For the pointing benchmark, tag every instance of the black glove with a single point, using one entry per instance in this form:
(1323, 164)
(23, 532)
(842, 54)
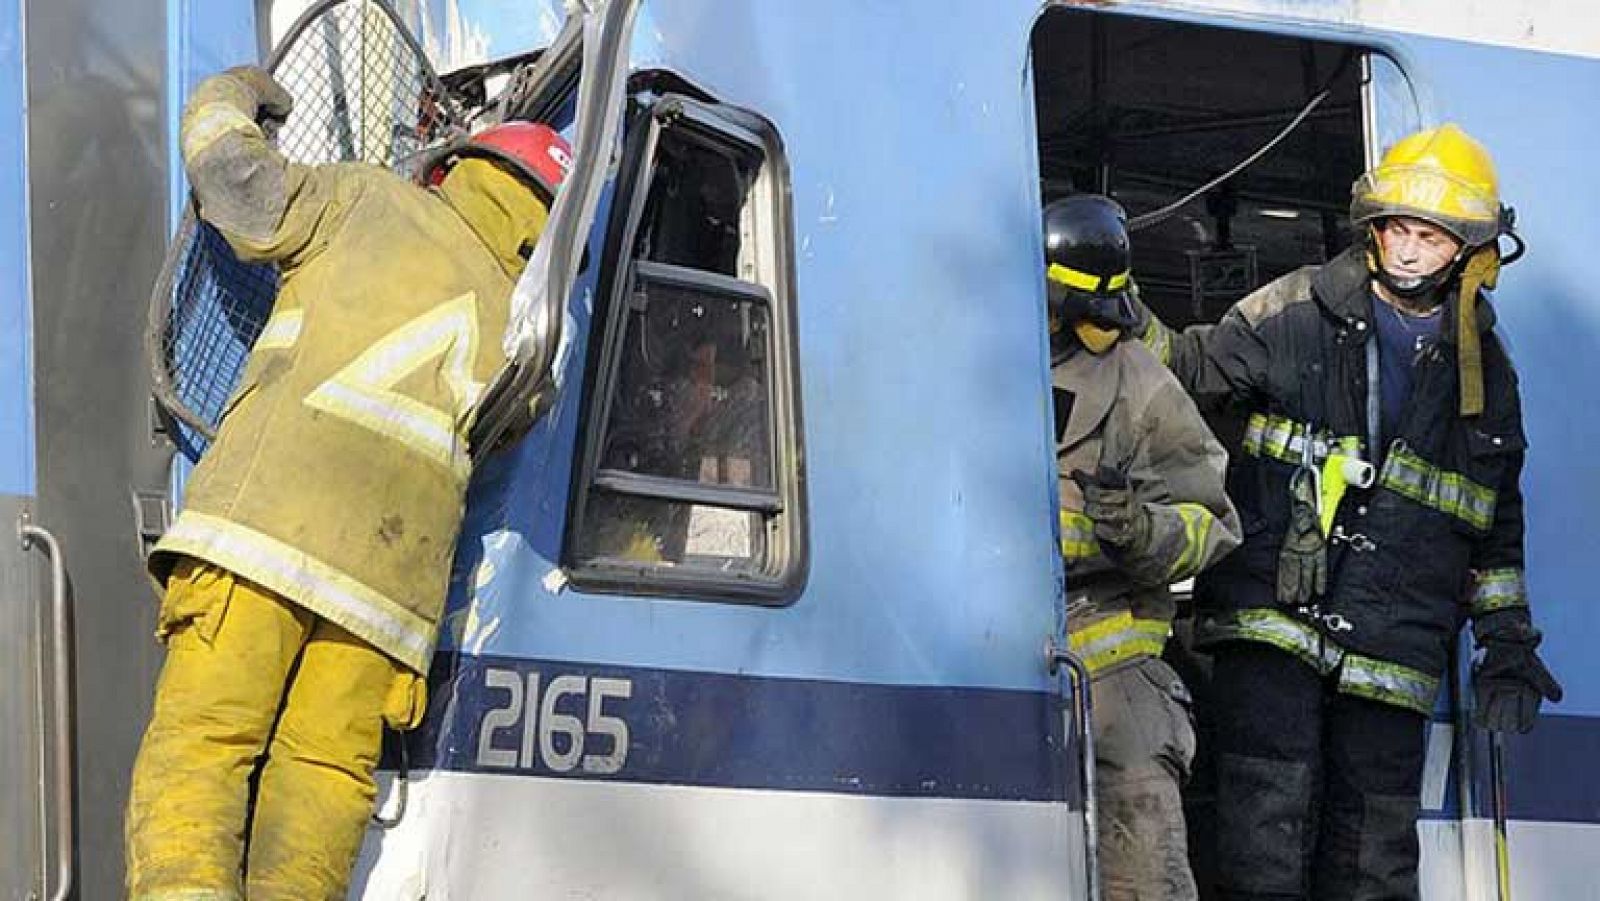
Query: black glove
(1303, 559)
(1510, 681)
(273, 103)
(1121, 523)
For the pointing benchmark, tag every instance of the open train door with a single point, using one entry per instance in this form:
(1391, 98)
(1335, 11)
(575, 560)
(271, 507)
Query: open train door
(1233, 150)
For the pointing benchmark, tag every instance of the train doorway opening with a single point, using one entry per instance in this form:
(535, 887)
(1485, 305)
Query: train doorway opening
(1233, 153)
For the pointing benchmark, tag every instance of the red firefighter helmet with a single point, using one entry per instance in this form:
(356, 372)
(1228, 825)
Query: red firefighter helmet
(534, 150)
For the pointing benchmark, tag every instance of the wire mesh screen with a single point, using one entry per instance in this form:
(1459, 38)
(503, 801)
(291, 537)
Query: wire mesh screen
(363, 90)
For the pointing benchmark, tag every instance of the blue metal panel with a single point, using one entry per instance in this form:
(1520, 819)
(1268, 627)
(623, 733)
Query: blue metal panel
(16, 328)
(924, 369)
(1534, 112)
(1547, 776)
(914, 200)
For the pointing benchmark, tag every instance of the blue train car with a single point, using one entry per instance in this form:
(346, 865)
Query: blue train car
(761, 605)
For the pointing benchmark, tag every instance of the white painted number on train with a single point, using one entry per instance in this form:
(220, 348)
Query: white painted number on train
(560, 726)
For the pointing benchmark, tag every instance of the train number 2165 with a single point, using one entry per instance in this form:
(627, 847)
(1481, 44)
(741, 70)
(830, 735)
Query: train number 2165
(545, 735)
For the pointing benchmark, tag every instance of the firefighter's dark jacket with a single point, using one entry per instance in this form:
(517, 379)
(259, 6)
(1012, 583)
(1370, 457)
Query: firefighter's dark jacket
(1438, 538)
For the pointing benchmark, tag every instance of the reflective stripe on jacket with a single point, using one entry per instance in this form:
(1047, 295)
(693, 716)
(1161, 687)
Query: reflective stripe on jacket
(1130, 413)
(339, 471)
(1367, 677)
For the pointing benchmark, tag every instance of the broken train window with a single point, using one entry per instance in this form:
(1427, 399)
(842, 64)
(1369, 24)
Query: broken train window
(688, 479)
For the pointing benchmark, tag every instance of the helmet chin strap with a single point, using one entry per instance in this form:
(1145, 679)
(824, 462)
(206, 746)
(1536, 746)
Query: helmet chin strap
(1415, 289)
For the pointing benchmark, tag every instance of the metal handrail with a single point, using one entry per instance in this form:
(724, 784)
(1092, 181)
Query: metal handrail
(1067, 666)
(61, 695)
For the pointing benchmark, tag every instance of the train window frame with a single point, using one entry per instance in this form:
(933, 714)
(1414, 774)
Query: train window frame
(762, 276)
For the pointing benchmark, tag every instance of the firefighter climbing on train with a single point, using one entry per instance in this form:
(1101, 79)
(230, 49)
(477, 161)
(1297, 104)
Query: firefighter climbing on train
(304, 579)
(1142, 506)
(1379, 489)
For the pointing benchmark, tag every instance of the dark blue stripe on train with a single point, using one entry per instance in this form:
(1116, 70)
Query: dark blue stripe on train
(1550, 771)
(730, 731)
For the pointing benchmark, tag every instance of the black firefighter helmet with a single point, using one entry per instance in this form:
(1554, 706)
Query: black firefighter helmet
(1087, 262)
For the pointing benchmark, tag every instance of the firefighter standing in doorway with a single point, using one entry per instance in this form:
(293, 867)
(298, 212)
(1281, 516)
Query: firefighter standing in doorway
(305, 577)
(1379, 487)
(1142, 506)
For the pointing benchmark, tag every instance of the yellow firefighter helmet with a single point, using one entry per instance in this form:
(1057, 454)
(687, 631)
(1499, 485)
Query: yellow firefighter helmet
(1440, 175)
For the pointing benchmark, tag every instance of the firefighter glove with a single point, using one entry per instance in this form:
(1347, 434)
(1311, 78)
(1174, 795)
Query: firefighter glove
(1509, 681)
(1121, 523)
(273, 103)
(1303, 559)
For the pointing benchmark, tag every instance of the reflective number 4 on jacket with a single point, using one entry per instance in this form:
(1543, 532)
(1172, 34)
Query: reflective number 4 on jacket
(364, 391)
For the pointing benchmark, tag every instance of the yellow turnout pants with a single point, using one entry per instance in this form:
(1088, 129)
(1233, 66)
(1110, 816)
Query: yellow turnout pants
(248, 674)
